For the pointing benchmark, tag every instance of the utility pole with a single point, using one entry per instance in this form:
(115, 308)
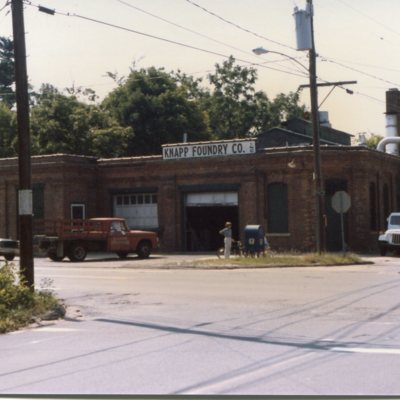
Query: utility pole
(318, 182)
(25, 208)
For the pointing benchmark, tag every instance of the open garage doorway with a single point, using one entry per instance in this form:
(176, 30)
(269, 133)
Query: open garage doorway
(205, 215)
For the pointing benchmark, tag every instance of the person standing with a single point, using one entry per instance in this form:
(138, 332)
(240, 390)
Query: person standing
(227, 233)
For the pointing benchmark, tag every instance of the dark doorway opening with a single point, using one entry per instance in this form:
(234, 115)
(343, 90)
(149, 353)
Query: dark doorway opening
(203, 224)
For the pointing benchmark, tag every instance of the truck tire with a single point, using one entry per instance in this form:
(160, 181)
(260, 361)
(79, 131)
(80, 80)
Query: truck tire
(143, 249)
(52, 254)
(77, 252)
(383, 250)
(9, 257)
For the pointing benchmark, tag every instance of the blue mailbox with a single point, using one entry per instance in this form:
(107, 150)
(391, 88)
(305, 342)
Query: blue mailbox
(253, 239)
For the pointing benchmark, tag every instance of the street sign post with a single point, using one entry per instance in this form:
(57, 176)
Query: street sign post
(341, 203)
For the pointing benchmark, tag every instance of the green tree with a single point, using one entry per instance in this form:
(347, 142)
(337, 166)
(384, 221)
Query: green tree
(62, 124)
(8, 131)
(159, 107)
(59, 123)
(237, 110)
(370, 140)
(284, 107)
(7, 73)
(108, 138)
(230, 105)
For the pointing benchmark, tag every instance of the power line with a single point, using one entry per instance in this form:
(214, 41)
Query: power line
(238, 26)
(163, 39)
(358, 71)
(183, 27)
(191, 30)
(5, 5)
(262, 65)
(370, 65)
(370, 18)
(281, 44)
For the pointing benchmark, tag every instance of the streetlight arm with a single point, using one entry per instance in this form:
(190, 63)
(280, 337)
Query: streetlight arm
(260, 50)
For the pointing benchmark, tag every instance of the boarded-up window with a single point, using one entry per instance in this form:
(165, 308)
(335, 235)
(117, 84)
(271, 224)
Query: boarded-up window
(38, 201)
(372, 207)
(386, 201)
(277, 208)
(398, 194)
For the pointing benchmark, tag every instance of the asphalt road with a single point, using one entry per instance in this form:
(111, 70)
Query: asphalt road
(138, 327)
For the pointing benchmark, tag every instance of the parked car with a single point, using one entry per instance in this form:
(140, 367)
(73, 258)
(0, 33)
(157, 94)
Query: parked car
(9, 248)
(390, 239)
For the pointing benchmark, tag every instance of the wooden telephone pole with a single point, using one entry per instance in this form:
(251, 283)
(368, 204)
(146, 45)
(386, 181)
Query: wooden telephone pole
(318, 180)
(25, 208)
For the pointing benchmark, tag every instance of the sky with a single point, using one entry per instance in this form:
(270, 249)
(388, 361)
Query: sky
(356, 40)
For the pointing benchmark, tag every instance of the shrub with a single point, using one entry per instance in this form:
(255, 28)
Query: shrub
(19, 304)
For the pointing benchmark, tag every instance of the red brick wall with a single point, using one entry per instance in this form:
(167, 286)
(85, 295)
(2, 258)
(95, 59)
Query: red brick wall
(74, 179)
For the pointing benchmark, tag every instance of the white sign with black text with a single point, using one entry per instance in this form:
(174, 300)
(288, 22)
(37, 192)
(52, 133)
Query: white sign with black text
(209, 149)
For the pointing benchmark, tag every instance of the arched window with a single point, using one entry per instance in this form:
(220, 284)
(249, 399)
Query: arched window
(277, 208)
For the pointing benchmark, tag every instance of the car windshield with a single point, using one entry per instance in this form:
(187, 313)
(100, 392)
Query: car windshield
(395, 220)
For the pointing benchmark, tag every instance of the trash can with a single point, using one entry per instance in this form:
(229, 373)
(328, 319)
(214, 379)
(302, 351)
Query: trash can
(253, 239)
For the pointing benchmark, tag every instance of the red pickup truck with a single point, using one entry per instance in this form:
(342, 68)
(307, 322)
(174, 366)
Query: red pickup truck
(75, 238)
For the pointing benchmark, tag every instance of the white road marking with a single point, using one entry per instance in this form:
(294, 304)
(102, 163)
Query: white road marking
(55, 329)
(366, 350)
(246, 377)
(88, 277)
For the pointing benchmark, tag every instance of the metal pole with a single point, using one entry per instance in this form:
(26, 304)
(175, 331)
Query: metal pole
(319, 192)
(24, 146)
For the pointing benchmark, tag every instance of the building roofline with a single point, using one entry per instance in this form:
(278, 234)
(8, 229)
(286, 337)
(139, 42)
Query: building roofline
(300, 135)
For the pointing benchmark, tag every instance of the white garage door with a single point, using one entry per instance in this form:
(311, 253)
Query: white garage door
(139, 209)
(212, 199)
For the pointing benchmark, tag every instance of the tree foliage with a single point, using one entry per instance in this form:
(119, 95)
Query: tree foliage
(370, 140)
(234, 103)
(62, 124)
(237, 110)
(7, 73)
(150, 107)
(156, 105)
(8, 131)
(284, 107)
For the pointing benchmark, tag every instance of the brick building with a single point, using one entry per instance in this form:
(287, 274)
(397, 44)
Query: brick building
(188, 193)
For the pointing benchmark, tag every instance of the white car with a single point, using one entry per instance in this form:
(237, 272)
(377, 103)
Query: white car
(390, 239)
(9, 248)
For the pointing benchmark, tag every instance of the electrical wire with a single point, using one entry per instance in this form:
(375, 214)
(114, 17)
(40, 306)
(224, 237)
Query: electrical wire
(284, 45)
(197, 33)
(5, 5)
(217, 53)
(360, 72)
(370, 18)
(29, 3)
(183, 27)
(238, 26)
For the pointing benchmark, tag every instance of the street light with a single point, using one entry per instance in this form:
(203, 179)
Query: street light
(319, 193)
(261, 50)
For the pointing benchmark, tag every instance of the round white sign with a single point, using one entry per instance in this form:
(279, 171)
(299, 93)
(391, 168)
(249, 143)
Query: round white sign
(341, 201)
